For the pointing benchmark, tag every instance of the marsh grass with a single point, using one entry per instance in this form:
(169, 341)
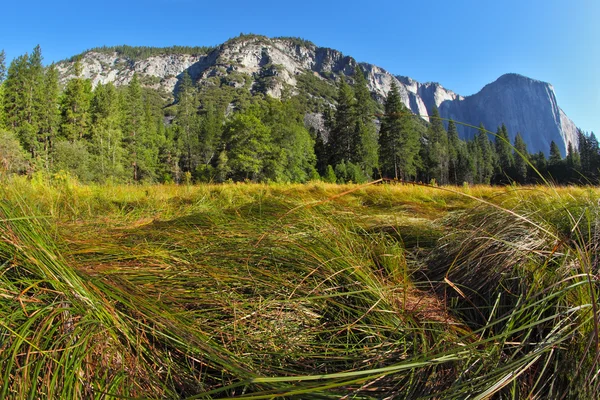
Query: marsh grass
(295, 291)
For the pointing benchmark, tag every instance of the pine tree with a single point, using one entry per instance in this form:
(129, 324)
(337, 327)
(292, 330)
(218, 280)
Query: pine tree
(23, 98)
(75, 107)
(398, 140)
(187, 123)
(454, 144)
(2, 76)
(435, 152)
(484, 157)
(107, 138)
(132, 125)
(248, 144)
(505, 165)
(365, 129)
(49, 114)
(573, 162)
(556, 165)
(211, 129)
(344, 144)
(2, 66)
(555, 156)
(520, 156)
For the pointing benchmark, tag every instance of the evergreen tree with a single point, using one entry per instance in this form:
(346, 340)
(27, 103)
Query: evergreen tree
(187, 123)
(365, 129)
(75, 107)
(107, 137)
(589, 155)
(541, 166)
(292, 157)
(436, 158)
(521, 157)
(454, 144)
(132, 125)
(49, 114)
(2, 76)
(556, 167)
(211, 128)
(398, 140)
(344, 144)
(483, 156)
(23, 98)
(2, 66)
(555, 157)
(248, 144)
(573, 163)
(505, 165)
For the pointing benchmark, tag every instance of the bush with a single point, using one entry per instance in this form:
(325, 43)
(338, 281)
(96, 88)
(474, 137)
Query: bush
(13, 158)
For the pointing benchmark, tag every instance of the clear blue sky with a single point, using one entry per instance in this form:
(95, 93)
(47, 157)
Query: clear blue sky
(463, 44)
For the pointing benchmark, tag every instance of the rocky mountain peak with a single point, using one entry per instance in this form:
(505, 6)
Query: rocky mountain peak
(274, 65)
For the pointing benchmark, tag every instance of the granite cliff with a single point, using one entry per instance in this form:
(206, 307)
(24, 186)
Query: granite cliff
(523, 104)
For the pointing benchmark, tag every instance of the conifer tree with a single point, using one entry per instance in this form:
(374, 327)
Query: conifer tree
(132, 125)
(555, 156)
(75, 107)
(107, 138)
(49, 114)
(484, 157)
(454, 144)
(248, 144)
(344, 144)
(23, 92)
(398, 140)
(505, 164)
(211, 129)
(2, 76)
(520, 156)
(365, 129)
(2, 66)
(187, 123)
(435, 154)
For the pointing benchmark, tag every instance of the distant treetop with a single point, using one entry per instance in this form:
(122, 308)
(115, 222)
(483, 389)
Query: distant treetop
(136, 53)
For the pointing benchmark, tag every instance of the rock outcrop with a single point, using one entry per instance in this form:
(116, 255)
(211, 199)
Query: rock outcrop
(523, 104)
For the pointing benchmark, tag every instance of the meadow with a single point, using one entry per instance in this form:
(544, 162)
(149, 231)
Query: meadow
(263, 291)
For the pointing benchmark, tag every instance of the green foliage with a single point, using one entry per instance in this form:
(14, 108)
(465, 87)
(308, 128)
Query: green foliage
(435, 152)
(136, 53)
(2, 66)
(365, 129)
(72, 157)
(12, 157)
(248, 144)
(344, 142)
(296, 41)
(317, 93)
(75, 107)
(521, 157)
(398, 139)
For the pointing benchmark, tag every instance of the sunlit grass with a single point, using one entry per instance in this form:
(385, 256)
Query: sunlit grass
(270, 290)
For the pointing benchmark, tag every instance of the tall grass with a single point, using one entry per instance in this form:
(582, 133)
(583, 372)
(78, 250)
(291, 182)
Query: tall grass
(266, 291)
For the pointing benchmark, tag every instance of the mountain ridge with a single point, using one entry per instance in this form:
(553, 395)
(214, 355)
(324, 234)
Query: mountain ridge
(524, 104)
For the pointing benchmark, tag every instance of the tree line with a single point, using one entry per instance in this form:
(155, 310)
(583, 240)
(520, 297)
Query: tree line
(214, 131)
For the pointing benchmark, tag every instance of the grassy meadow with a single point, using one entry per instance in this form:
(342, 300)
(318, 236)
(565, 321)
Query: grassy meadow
(317, 291)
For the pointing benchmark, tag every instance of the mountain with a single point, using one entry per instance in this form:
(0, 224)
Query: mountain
(274, 65)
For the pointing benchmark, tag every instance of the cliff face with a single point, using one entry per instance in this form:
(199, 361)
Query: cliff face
(524, 105)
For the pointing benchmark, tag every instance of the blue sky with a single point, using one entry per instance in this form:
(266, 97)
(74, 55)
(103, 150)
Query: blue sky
(463, 44)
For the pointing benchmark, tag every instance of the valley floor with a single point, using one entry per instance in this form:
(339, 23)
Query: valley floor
(298, 291)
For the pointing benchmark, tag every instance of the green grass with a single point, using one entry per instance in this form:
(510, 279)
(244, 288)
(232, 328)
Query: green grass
(297, 291)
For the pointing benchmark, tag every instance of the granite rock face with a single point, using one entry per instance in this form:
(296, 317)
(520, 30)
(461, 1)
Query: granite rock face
(524, 105)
